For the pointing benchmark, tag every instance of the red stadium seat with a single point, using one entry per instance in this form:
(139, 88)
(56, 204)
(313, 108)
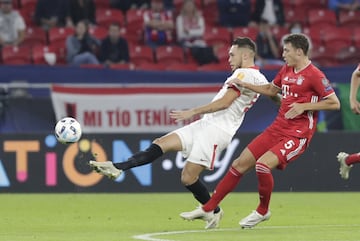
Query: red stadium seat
(28, 4)
(141, 54)
(309, 4)
(16, 4)
(279, 32)
(250, 32)
(34, 36)
(16, 55)
(214, 67)
(132, 35)
(28, 16)
(223, 54)
(217, 36)
(98, 32)
(169, 54)
(349, 19)
(182, 67)
(210, 12)
(296, 15)
(337, 38)
(322, 18)
(348, 55)
(134, 25)
(356, 37)
(39, 51)
(102, 4)
(59, 35)
(151, 66)
(104, 17)
(323, 56)
(315, 34)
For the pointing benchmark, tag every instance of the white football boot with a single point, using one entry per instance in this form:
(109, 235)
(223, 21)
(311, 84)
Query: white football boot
(198, 213)
(106, 168)
(253, 219)
(344, 168)
(214, 223)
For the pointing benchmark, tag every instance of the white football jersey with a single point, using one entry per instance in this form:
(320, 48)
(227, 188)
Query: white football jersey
(231, 118)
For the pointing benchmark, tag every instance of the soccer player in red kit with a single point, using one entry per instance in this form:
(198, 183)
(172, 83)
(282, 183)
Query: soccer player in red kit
(347, 160)
(305, 90)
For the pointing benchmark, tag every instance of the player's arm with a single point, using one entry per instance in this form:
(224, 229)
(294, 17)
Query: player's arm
(267, 89)
(219, 104)
(354, 87)
(331, 102)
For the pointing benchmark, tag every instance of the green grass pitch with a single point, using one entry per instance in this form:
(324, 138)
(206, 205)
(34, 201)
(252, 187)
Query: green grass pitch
(120, 217)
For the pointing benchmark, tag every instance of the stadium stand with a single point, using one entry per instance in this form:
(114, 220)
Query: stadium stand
(104, 17)
(141, 54)
(35, 36)
(331, 45)
(217, 36)
(16, 55)
(169, 54)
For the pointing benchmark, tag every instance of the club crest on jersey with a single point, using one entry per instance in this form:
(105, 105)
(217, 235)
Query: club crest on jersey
(300, 80)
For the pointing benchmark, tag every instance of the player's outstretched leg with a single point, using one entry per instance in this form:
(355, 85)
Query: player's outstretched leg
(344, 168)
(114, 170)
(106, 168)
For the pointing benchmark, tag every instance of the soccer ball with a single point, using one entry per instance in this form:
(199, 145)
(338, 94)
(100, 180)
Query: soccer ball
(68, 130)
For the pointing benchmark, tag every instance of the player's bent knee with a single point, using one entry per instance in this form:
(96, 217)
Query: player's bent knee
(187, 179)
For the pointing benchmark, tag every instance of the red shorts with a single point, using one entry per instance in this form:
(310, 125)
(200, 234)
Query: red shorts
(286, 148)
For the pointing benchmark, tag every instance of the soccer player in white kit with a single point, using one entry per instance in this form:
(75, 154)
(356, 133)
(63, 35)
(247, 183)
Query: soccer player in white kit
(203, 140)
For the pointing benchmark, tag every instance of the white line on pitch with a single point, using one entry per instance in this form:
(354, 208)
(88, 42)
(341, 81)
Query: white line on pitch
(149, 236)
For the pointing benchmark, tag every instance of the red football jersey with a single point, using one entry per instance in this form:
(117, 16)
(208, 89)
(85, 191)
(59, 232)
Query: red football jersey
(308, 85)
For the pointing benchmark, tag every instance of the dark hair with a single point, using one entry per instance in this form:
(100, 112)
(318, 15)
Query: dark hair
(298, 41)
(245, 42)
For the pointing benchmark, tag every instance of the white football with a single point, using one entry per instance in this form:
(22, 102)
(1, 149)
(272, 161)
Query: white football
(68, 130)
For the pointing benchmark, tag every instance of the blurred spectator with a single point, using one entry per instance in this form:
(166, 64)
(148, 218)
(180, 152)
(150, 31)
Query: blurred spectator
(81, 47)
(270, 10)
(268, 48)
(190, 28)
(51, 13)
(12, 25)
(81, 10)
(190, 25)
(125, 5)
(296, 27)
(114, 48)
(234, 13)
(346, 5)
(159, 25)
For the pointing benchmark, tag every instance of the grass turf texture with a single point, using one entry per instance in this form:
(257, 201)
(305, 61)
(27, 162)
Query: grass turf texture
(118, 217)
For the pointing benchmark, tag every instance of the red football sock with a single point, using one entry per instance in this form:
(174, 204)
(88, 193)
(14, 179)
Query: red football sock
(352, 159)
(265, 187)
(226, 185)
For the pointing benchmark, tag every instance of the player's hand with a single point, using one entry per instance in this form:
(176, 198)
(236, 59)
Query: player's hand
(355, 106)
(180, 115)
(296, 109)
